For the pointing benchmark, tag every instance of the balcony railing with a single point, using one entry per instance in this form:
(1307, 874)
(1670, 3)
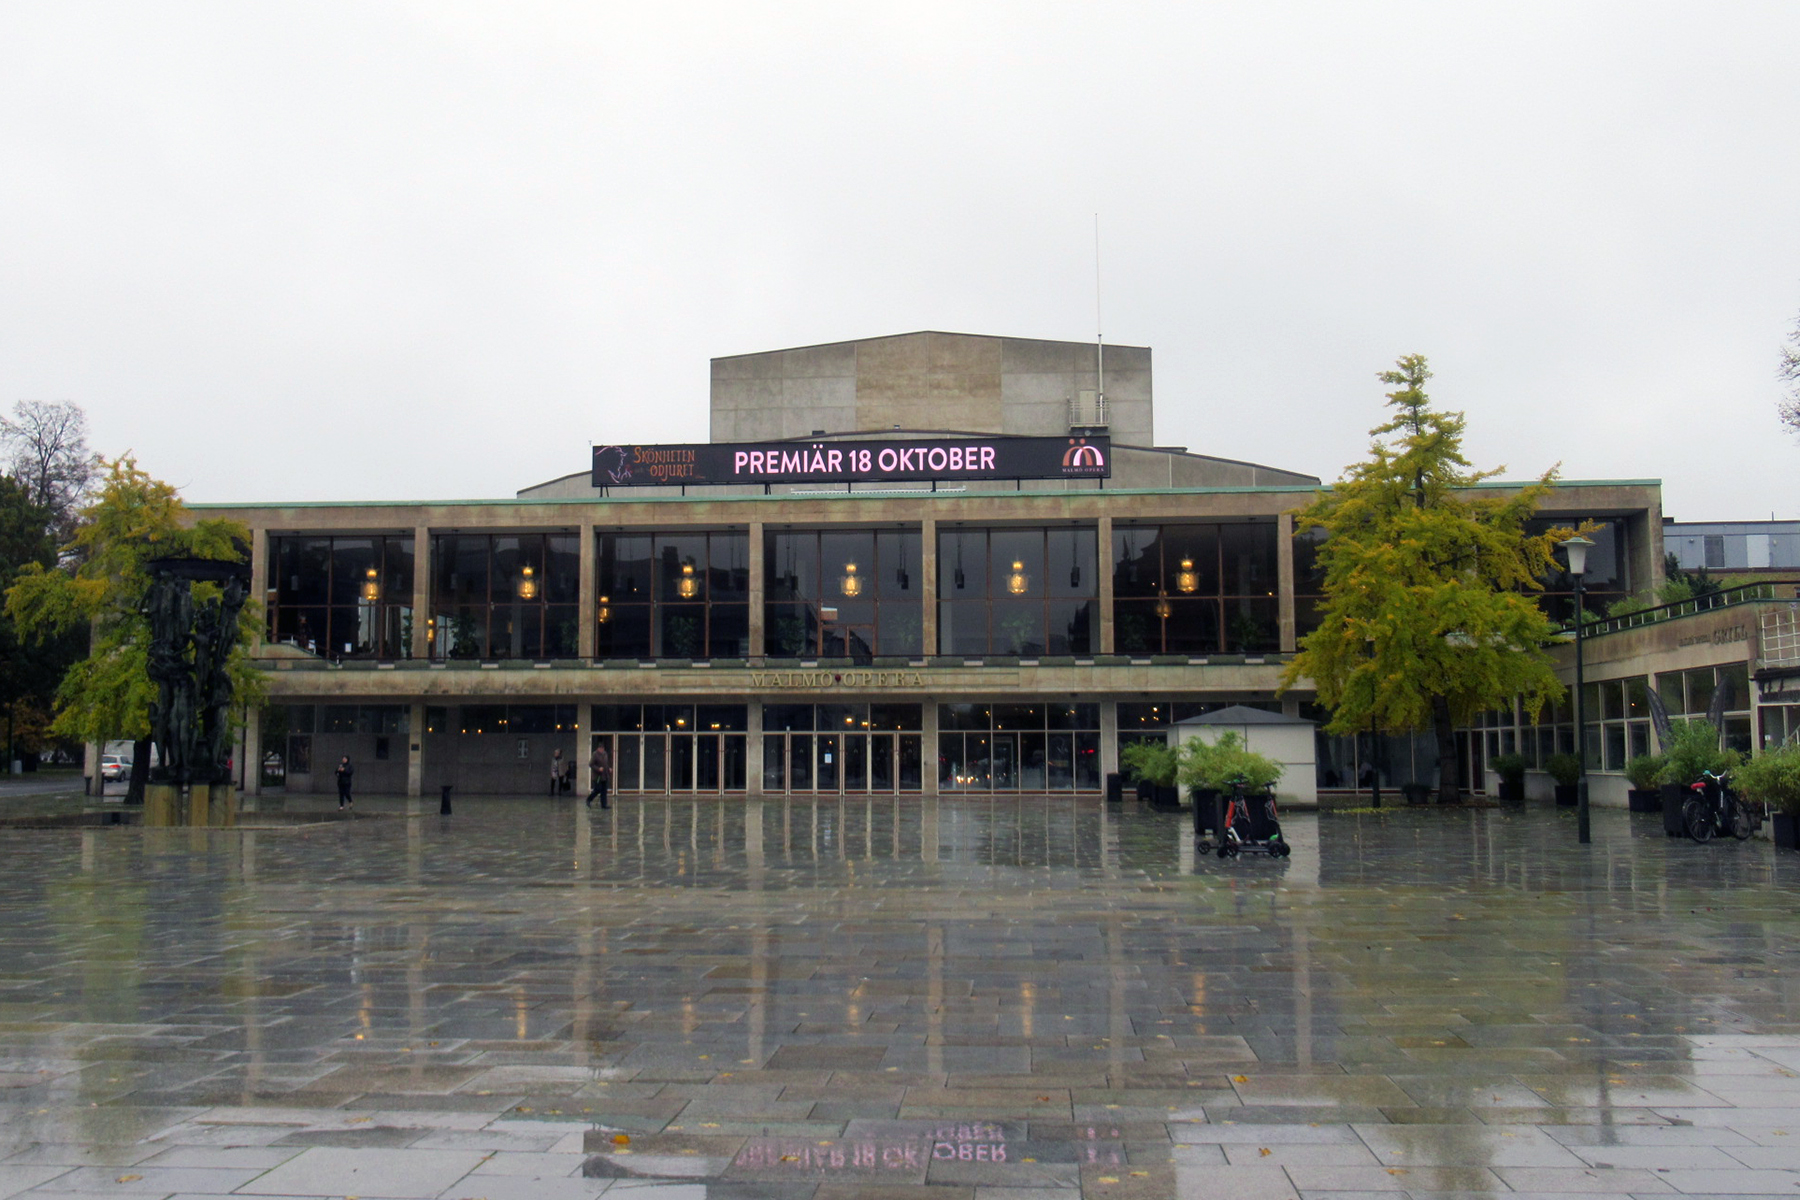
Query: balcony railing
(1749, 593)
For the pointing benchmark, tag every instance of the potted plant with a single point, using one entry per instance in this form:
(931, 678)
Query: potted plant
(1155, 764)
(1209, 769)
(1644, 772)
(1417, 793)
(1565, 769)
(1511, 770)
(1773, 778)
(1692, 747)
(1204, 771)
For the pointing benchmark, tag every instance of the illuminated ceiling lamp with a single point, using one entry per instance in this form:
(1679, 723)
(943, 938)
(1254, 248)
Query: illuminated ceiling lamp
(603, 611)
(851, 583)
(1017, 581)
(1187, 580)
(687, 587)
(371, 586)
(528, 587)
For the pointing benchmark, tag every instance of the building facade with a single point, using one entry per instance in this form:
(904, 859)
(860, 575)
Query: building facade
(942, 634)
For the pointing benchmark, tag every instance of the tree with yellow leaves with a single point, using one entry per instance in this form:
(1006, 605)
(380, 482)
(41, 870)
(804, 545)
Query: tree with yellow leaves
(1429, 616)
(133, 520)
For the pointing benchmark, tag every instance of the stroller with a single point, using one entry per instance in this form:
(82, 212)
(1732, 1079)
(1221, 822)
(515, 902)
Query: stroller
(1248, 824)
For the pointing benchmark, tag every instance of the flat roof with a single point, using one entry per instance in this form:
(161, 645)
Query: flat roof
(885, 337)
(886, 494)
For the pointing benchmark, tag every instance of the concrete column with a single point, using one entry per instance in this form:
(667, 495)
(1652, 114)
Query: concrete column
(928, 766)
(251, 759)
(1104, 566)
(928, 563)
(1109, 739)
(753, 746)
(1284, 574)
(588, 637)
(421, 629)
(259, 582)
(758, 633)
(415, 748)
(584, 745)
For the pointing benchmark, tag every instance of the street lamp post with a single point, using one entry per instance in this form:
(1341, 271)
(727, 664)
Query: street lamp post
(1577, 549)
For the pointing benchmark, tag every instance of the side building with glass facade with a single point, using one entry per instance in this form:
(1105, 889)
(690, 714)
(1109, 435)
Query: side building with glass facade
(927, 636)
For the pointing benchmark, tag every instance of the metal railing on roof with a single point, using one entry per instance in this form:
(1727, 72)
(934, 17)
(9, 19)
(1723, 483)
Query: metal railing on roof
(1748, 593)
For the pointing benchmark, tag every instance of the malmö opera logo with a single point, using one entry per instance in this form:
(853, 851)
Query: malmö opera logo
(1084, 458)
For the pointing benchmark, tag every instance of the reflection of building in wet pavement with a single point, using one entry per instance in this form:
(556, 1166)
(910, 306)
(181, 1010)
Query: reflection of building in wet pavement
(966, 993)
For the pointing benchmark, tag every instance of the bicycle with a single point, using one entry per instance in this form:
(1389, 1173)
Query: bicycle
(1713, 808)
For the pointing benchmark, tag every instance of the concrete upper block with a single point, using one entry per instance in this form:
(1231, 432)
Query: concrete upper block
(838, 359)
(1025, 356)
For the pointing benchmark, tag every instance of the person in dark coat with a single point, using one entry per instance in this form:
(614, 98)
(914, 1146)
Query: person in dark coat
(556, 771)
(345, 772)
(601, 765)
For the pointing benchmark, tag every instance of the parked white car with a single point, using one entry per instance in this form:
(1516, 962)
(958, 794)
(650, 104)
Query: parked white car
(114, 766)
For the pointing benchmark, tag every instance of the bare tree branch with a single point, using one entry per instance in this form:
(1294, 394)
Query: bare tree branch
(1789, 373)
(45, 443)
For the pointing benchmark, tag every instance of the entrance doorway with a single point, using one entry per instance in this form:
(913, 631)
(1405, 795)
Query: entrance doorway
(672, 748)
(849, 749)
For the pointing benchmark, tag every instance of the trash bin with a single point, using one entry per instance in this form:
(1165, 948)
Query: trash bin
(1115, 788)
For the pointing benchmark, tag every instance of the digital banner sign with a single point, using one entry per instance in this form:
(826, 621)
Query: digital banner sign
(900, 460)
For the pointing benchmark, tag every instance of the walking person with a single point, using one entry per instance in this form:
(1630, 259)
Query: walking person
(601, 765)
(345, 772)
(556, 771)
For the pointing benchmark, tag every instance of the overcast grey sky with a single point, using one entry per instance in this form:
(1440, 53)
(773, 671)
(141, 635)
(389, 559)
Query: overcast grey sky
(381, 250)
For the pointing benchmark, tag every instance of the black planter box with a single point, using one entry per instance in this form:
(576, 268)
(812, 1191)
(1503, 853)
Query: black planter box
(1672, 795)
(1167, 798)
(1115, 788)
(1643, 800)
(1206, 810)
(1512, 791)
(1785, 830)
(1567, 795)
(1416, 793)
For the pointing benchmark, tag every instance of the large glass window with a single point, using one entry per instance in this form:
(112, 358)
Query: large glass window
(1608, 579)
(1023, 747)
(1023, 592)
(850, 593)
(676, 595)
(509, 595)
(1196, 589)
(342, 597)
(674, 747)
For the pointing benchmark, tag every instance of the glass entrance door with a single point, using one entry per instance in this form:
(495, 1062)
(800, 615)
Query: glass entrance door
(842, 748)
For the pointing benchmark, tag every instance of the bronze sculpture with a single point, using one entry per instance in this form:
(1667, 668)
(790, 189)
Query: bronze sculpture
(189, 655)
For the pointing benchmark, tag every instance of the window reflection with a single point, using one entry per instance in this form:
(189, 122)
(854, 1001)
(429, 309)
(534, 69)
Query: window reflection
(1196, 589)
(342, 597)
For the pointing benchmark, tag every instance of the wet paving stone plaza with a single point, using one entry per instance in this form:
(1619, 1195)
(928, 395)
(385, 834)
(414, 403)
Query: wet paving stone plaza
(1007, 999)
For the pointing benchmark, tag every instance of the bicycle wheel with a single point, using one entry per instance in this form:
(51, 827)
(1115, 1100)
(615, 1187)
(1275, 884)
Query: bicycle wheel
(1741, 824)
(1696, 819)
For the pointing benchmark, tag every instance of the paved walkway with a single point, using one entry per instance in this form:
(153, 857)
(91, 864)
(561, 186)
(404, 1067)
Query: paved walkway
(1014, 999)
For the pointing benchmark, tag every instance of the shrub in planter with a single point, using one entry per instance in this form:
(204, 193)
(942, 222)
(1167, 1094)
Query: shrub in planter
(1210, 768)
(1565, 769)
(1153, 764)
(1773, 778)
(1693, 747)
(1511, 770)
(1644, 772)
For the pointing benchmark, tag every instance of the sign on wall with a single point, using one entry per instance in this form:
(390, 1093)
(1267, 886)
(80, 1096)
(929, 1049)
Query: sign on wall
(878, 461)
